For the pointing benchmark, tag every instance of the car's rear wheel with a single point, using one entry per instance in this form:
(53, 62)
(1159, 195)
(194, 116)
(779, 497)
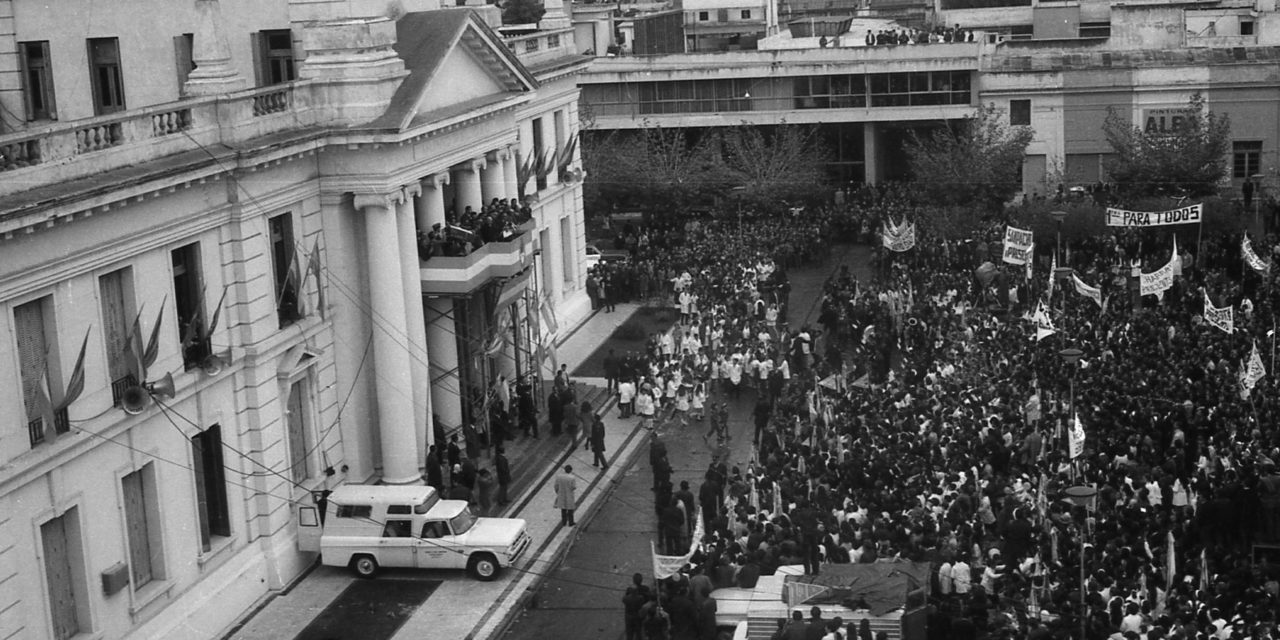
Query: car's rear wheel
(365, 566)
(483, 566)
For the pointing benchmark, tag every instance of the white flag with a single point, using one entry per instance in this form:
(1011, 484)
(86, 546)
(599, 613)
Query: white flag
(1176, 259)
(1044, 324)
(1053, 272)
(1076, 442)
(1256, 370)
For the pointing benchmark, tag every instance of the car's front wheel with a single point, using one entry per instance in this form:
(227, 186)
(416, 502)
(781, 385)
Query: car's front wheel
(483, 566)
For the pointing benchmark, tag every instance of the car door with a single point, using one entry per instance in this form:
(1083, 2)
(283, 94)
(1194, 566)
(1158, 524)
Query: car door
(397, 547)
(435, 546)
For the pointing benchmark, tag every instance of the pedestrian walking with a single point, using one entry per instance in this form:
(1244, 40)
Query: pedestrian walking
(503, 467)
(566, 495)
(555, 412)
(572, 418)
(597, 443)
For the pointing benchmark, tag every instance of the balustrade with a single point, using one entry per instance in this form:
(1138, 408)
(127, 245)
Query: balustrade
(99, 136)
(274, 102)
(167, 122)
(19, 154)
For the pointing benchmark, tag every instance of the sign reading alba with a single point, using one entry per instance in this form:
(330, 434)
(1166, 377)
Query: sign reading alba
(1122, 218)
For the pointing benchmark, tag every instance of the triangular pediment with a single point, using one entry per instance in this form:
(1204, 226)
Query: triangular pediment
(455, 63)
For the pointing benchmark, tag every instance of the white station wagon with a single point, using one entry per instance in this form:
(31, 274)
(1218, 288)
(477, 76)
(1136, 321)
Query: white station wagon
(366, 527)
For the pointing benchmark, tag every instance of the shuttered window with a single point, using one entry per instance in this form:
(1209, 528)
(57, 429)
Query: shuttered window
(299, 437)
(117, 308)
(34, 351)
(142, 522)
(211, 486)
(57, 543)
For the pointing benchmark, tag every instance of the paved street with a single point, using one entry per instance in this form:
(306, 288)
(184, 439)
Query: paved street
(581, 597)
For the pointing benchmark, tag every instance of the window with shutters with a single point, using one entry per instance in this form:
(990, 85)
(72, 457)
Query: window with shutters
(142, 526)
(287, 268)
(116, 292)
(105, 75)
(188, 300)
(64, 575)
(37, 80)
(211, 486)
(38, 369)
(302, 438)
(183, 62)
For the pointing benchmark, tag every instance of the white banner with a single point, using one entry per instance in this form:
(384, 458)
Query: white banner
(1017, 245)
(1250, 258)
(1256, 371)
(900, 238)
(1092, 293)
(1158, 281)
(667, 566)
(1121, 218)
(1222, 318)
(1075, 442)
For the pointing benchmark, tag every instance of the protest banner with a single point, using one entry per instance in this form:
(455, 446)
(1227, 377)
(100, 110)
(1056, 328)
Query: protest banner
(1093, 293)
(1252, 259)
(1158, 281)
(1017, 245)
(1222, 318)
(1189, 214)
(1076, 443)
(901, 238)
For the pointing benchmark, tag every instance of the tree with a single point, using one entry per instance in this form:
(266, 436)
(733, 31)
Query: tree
(782, 164)
(975, 162)
(1183, 155)
(655, 167)
(522, 11)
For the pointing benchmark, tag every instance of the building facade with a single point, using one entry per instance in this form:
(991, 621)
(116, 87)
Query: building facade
(222, 201)
(1146, 64)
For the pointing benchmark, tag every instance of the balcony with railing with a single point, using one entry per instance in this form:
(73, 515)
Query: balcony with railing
(61, 152)
(449, 275)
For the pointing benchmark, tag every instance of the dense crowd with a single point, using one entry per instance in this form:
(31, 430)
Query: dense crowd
(943, 438)
(939, 34)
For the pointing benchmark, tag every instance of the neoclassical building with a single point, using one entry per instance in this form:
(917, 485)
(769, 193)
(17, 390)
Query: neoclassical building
(213, 299)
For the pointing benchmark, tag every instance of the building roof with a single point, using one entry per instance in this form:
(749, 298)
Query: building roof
(425, 40)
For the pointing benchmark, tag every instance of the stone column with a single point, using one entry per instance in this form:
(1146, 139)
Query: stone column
(214, 73)
(870, 153)
(442, 342)
(393, 382)
(414, 323)
(466, 180)
(510, 172)
(493, 177)
(431, 209)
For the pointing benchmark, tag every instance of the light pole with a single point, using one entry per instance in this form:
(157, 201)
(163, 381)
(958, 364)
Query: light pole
(1058, 216)
(1079, 495)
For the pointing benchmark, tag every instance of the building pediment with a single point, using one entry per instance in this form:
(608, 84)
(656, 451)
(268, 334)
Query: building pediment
(454, 60)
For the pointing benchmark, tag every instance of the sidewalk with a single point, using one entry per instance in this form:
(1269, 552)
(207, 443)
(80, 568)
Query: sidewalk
(463, 607)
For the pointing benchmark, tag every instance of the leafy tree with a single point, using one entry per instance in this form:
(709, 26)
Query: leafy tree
(522, 11)
(782, 164)
(974, 162)
(655, 167)
(1187, 159)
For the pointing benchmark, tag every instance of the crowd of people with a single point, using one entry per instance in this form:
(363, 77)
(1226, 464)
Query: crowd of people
(940, 430)
(468, 230)
(939, 34)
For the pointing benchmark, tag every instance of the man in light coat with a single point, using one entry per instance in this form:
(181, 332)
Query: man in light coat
(566, 495)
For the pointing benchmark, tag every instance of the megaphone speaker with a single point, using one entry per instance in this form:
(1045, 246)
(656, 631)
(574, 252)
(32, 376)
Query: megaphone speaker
(163, 386)
(134, 400)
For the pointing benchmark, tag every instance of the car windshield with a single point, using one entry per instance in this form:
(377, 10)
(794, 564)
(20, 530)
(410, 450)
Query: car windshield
(462, 522)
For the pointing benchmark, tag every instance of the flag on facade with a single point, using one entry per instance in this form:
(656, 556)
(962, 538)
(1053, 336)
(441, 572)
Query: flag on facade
(43, 405)
(313, 266)
(1250, 258)
(75, 386)
(153, 343)
(217, 311)
(1076, 442)
(132, 347)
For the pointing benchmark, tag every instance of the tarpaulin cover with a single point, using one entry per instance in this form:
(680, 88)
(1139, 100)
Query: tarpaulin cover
(881, 587)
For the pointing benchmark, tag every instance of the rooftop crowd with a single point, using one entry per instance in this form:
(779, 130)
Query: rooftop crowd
(940, 433)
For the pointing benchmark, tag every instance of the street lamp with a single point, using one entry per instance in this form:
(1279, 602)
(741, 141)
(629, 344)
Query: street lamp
(1082, 496)
(1063, 270)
